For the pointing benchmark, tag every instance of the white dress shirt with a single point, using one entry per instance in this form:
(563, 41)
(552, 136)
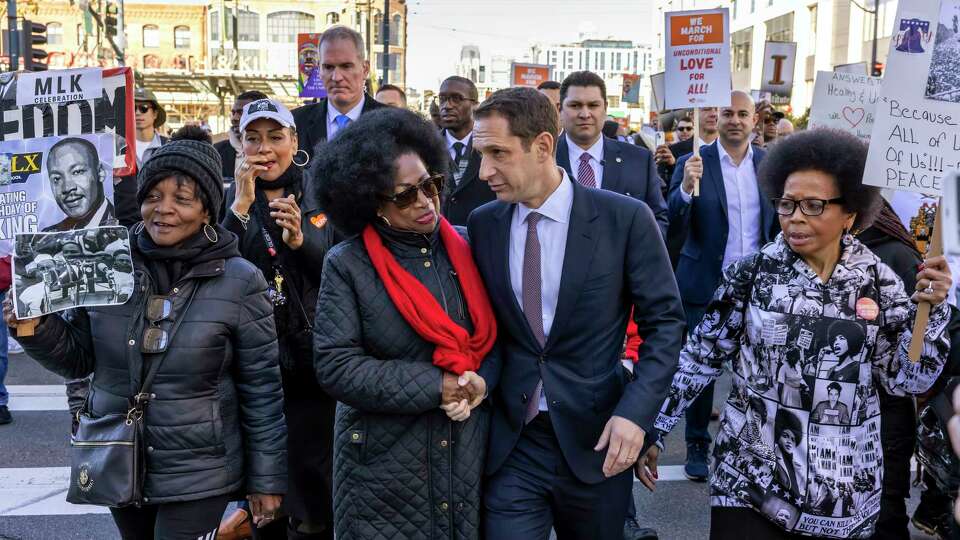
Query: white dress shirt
(333, 113)
(451, 140)
(596, 158)
(552, 233)
(743, 205)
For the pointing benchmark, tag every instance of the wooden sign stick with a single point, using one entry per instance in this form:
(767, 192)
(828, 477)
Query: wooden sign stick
(27, 327)
(696, 146)
(923, 309)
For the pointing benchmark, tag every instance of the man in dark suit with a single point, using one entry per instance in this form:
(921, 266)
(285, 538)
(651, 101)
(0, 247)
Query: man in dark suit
(344, 71)
(597, 161)
(564, 265)
(231, 147)
(465, 191)
(730, 219)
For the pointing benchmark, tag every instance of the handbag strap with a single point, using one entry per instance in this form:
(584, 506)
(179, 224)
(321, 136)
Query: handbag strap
(296, 295)
(143, 396)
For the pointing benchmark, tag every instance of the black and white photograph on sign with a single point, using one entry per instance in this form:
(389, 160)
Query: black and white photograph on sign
(943, 79)
(62, 270)
(951, 216)
(55, 184)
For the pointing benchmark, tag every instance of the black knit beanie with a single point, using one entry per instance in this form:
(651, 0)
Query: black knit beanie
(195, 159)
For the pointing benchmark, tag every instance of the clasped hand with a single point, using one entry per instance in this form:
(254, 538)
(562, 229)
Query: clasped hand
(462, 394)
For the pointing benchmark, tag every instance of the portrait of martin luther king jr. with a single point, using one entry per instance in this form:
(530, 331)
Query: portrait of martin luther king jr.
(76, 178)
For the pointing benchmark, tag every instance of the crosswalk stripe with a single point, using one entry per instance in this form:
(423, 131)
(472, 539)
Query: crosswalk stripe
(37, 397)
(42, 491)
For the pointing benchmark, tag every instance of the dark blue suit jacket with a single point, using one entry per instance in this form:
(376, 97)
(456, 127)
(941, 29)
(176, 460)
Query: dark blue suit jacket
(705, 220)
(615, 259)
(628, 170)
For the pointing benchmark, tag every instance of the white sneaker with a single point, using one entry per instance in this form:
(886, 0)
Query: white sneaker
(13, 347)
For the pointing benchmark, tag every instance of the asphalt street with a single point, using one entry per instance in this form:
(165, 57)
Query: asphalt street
(34, 458)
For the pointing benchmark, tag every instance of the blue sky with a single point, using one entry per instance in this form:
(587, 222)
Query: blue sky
(437, 29)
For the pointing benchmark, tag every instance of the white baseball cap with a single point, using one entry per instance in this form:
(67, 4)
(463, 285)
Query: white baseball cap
(266, 108)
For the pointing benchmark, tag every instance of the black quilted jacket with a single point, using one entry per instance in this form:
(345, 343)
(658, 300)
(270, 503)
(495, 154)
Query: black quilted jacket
(402, 469)
(215, 424)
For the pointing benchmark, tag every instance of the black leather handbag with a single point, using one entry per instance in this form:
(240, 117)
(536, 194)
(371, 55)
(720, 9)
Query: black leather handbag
(107, 465)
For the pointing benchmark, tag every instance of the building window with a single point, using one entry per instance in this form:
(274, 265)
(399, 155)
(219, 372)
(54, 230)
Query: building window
(151, 36)
(734, 2)
(81, 34)
(753, 5)
(181, 37)
(248, 26)
(395, 30)
(741, 43)
(780, 28)
(151, 61)
(378, 29)
(333, 17)
(54, 33)
(283, 26)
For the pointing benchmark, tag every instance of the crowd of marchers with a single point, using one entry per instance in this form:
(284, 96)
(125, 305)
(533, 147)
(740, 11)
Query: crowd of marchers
(365, 324)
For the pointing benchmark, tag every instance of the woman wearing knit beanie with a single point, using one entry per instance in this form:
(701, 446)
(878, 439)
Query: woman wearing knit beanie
(287, 237)
(201, 322)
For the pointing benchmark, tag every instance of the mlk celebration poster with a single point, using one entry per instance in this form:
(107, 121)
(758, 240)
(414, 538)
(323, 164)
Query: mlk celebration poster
(64, 136)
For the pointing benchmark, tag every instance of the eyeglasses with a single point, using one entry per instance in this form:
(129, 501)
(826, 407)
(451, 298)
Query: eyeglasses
(685, 128)
(156, 339)
(809, 207)
(431, 187)
(143, 109)
(454, 99)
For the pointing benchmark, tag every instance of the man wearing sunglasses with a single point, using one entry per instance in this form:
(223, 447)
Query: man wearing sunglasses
(457, 99)
(684, 129)
(149, 116)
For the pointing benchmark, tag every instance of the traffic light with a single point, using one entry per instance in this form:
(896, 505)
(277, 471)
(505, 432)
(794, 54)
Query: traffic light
(110, 19)
(33, 34)
(877, 69)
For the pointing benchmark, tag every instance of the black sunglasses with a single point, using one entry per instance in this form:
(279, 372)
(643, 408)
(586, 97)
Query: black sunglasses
(143, 109)
(431, 187)
(809, 207)
(685, 128)
(156, 339)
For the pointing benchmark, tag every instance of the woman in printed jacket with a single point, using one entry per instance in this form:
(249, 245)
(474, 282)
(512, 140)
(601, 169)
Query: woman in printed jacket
(819, 453)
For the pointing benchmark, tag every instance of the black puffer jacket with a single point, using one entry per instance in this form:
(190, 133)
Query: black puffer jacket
(215, 424)
(402, 469)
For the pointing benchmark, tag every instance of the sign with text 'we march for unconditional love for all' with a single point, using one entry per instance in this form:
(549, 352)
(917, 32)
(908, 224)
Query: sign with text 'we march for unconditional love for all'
(697, 59)
(915, 143)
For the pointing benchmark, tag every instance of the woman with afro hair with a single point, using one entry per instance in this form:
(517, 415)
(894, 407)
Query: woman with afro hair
(403, 324)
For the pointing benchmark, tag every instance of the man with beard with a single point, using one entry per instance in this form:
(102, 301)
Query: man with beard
(231, 147)
(76, 179)
(465, 191)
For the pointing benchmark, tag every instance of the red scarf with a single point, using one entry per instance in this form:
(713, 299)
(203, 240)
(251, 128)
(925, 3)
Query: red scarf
(457, 351)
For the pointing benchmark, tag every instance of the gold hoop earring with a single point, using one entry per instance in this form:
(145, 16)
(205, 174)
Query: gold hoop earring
(305, 161)
(210, 233)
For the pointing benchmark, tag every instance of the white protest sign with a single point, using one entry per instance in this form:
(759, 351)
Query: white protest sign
(779, 60)
(697, 59)
(59, 86)
(845, 101)
(915, 142)
(657, 91)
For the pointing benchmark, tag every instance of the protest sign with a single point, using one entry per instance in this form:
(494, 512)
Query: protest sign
(631, 88)
(845, 101)
(309, 83)
(779, 60)
(697, 59)
(951, 216)
(657, 91)
(529, 74)
(55, 184)
(916, 133)
(107, 108)
(857, 68)
(57, 271)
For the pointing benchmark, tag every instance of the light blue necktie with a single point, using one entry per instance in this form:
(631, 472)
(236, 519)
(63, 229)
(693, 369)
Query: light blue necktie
(342, 120)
